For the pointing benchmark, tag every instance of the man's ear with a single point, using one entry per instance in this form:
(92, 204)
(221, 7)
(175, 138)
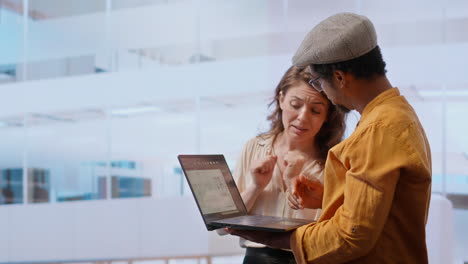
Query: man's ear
(340, 78)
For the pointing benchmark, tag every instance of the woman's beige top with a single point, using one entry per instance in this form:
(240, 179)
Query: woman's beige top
(273, 201)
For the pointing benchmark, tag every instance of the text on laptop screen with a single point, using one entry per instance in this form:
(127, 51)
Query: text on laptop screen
(211, 191)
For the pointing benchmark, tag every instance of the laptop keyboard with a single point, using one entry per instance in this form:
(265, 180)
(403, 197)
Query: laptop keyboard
(262, 219)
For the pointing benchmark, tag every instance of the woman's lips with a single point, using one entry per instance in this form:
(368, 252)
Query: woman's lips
(298, 130)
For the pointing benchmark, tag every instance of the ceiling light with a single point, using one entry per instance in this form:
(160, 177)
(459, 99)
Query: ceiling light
(441, 93)
(135, 110)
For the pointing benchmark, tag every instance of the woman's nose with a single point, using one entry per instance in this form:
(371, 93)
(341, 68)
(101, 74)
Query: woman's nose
(302, 114)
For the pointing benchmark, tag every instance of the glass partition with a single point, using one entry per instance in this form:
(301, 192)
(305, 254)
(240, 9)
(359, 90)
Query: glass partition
(150, 136)
(11, 178)
(75, 41)
(11, 34)
(141, 37)
(53, 10)
(67, 157)
(457, 144)
(11, 124)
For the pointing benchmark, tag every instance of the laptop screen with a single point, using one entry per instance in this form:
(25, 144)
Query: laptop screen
(212, 185)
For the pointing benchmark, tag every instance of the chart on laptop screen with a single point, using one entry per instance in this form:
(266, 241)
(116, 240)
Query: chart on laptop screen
(211, 191)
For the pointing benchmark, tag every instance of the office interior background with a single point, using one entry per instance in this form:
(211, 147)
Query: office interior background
(100, 96)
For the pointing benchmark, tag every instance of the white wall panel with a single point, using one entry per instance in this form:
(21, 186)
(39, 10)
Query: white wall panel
(141, 228)
(125, 228)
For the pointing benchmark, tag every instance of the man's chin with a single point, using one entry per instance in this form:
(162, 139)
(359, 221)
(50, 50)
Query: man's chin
(343, 109)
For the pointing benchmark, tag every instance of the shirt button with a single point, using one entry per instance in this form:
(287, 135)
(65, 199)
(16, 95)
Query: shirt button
(353, 229)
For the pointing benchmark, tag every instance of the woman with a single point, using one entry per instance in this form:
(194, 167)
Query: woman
(304, 126)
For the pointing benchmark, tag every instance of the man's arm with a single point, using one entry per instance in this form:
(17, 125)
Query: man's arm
(357, 203)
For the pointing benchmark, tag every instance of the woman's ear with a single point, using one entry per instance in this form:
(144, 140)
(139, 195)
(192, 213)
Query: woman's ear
(281, 99)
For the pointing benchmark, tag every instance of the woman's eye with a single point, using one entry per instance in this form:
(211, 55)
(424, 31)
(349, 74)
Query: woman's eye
(295, 105)
(315, 111)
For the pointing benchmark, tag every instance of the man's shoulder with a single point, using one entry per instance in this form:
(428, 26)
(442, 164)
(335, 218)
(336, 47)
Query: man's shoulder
(394, 125)
(393, 116)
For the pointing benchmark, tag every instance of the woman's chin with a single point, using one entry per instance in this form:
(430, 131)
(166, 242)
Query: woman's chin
(299, 137)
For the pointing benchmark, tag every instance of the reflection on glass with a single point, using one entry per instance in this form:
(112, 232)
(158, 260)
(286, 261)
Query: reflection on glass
(92, 183)
(52, 9)
(11, 186)
(58, 68)
(69, 145)
(123, 4)
(11, 30)
(38, 185)
(127, 187)
(8, 73)
(457, 144)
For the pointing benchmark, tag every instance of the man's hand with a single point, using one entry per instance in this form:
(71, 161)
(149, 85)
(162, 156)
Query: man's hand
(306, 193)
(271, 239)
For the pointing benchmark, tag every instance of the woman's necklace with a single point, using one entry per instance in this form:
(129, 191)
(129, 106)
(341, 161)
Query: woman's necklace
(280, 160)
(277, 161)
(278, 157)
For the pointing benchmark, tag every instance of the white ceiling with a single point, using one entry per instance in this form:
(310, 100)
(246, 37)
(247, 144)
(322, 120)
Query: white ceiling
(424, 43)
(176, 30)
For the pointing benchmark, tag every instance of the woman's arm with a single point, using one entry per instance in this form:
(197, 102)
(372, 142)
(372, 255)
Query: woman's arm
(261, 172)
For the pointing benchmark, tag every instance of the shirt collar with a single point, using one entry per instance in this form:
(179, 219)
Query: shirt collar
(379, 100)
(266, 141)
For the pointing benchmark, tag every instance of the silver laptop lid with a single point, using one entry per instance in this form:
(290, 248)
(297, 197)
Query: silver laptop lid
(213, 186)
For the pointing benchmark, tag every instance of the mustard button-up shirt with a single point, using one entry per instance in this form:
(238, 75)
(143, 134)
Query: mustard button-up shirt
(377, 191)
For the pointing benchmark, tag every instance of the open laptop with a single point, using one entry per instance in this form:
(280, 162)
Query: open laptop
(219, 200)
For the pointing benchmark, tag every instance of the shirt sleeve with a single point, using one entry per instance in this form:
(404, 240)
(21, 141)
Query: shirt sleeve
(372, 162)
(242, 166)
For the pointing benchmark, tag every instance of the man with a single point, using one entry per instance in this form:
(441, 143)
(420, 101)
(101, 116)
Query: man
(377, 182)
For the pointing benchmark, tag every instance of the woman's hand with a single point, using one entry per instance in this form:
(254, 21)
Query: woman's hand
(293, 162)
(305, 193)
(262, 171)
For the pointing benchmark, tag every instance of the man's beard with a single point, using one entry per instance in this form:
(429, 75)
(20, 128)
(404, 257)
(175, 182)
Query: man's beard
(338, 106)
(342, 109)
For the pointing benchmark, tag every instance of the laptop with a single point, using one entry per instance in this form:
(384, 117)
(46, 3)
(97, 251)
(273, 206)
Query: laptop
(219, 200)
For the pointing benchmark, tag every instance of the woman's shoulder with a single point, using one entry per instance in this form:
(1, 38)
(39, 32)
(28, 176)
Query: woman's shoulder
(258, 146)
(260, 141)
